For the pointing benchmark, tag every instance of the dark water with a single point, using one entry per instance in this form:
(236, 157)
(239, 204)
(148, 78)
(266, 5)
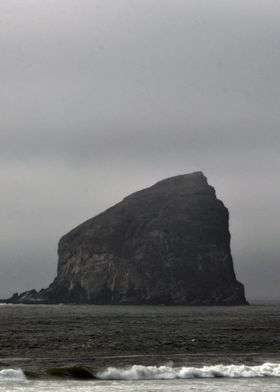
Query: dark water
(39, 337)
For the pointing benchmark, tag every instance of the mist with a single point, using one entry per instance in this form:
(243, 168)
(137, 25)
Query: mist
(103, 98)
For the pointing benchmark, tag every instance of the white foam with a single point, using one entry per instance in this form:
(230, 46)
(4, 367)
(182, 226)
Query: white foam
(139, 372)
(12, 375)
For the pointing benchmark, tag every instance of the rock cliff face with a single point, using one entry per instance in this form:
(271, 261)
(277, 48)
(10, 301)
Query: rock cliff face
(167, 244)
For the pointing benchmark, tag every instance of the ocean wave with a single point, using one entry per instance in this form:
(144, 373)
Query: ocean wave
(12, 375)
(139, 372)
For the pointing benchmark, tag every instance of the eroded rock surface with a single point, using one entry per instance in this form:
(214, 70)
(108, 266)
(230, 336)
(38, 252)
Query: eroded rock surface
(167, 244)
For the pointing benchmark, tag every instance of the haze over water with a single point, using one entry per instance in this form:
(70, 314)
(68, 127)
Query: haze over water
(103, 98)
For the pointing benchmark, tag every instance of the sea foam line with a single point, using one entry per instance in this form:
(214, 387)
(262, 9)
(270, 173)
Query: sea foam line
(139, 372)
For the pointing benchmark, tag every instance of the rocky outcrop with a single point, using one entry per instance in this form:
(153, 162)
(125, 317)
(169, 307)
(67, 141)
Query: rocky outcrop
(167, 244)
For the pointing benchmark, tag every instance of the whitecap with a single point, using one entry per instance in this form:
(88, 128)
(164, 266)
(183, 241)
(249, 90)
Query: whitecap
(12, 375)
(140, 372)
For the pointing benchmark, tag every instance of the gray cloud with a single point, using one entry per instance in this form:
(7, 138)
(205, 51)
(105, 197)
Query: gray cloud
(101, 98)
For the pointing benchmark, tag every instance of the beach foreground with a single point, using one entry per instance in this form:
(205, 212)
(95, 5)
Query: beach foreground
(240, 385)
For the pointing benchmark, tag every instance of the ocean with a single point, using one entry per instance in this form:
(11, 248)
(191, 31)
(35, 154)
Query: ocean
(143, 348)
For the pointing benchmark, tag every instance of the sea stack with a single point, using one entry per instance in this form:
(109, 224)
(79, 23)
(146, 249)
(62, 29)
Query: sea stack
(167, 244)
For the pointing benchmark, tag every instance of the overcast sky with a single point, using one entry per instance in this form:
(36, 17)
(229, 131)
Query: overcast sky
(100, 98)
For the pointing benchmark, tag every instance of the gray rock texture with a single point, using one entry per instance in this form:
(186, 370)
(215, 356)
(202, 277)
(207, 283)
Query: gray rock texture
(167, 244)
